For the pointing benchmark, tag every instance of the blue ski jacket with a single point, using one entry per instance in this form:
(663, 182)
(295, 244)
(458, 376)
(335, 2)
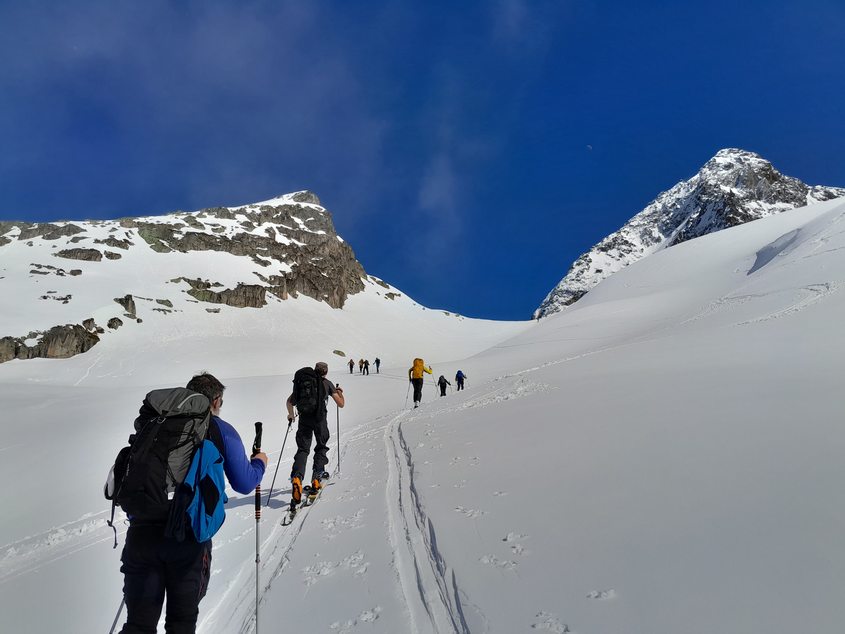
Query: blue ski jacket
(243, 474)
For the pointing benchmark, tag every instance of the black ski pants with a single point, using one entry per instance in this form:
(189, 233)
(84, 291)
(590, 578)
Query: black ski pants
(417, 383)
(155, 566)
(460, 384)
(443, 390)
(319, 429)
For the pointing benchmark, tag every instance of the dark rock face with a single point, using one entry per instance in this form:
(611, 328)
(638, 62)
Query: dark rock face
(323, 266)
(48, 231)
(243, 296)
(91, 255)
(46, 269)
(114, 323)
(115, 243)
(732, 188)
(63, 342)
(128, 303)
(60, 342)
(8, 349)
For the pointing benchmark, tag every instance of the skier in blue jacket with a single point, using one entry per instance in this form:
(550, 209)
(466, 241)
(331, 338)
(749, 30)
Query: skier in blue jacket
(155, 565)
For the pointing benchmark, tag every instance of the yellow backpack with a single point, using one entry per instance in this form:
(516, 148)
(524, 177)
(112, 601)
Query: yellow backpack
(417, 369)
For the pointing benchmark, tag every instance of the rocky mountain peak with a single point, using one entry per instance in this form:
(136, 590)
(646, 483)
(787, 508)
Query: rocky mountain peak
(734, 187)
(275, 250)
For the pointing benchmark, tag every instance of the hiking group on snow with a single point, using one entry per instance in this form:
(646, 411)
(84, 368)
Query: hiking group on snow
(171, 483)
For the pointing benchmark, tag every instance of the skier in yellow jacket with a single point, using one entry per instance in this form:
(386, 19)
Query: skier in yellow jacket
(415, 376)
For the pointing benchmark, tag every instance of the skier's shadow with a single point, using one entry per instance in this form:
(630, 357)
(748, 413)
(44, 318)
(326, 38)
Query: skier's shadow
(249, 500)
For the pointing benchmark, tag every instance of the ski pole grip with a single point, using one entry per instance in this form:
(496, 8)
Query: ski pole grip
(256, 446)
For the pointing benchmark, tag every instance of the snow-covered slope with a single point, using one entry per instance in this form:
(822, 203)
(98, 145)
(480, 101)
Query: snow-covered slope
(258, 287)
(664, 456)
(732, 188)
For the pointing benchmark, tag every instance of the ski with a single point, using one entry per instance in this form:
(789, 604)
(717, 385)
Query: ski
(310, 496)
(288, 518)
(309, 499)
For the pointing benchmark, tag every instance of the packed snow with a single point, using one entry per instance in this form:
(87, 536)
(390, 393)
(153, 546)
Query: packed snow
(664, 456)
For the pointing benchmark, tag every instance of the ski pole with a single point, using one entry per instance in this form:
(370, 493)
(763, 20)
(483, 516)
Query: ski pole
(256, 447)
(117, 616)
(338, 436)
(270, 493)
(408, 392)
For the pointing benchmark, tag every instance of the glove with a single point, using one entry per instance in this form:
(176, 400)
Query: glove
(290, 419)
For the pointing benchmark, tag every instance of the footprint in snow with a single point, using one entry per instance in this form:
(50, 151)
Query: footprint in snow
(514, 539)
(367, 616)
(355, 563)
(500, 493)
(492, 560)
(550, 623)
(602, 595)
(334, 525)
(470, 513)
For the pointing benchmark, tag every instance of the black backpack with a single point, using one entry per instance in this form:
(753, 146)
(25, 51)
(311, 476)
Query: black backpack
(309, 394)
(171, 426)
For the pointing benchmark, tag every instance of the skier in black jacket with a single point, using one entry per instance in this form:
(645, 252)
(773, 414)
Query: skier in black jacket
(442, 383)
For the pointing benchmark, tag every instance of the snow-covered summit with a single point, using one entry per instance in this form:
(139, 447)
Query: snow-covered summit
(732, 188)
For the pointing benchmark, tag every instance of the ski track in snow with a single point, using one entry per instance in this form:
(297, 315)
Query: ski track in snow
(430, 588)
(795, 300)
(807, 296)
(237, 603)
(499, 393)
(33, 552)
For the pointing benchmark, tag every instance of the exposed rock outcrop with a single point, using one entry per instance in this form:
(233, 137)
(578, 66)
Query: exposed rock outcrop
(128, 303)
(90, 255)
(322, 265)
(60, 342)
(242, 296)
(114, 242)
(48, 231)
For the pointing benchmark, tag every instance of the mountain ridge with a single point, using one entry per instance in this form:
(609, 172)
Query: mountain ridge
(734, 187)
(290, 240)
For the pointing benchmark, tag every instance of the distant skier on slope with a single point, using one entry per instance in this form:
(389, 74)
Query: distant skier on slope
(360, 366)
(459, 380)
(378, 363)
(367, 367)
(351, 365)
(415, 376)
(442, 383)
(311, 392)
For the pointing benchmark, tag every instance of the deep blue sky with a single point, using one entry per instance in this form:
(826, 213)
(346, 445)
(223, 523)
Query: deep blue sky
(469, 151)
